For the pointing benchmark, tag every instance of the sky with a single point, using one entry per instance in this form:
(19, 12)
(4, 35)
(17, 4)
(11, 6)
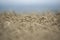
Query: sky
(28, 2)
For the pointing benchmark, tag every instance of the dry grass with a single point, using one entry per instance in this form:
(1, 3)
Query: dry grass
(29, 26)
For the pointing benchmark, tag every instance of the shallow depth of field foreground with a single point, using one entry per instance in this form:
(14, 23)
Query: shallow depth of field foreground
(29, 26)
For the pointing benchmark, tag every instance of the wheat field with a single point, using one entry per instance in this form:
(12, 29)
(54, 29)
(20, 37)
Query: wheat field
(29, 26)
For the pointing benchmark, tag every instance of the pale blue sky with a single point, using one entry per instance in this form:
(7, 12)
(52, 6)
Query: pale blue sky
(29, 1)
(29, 4)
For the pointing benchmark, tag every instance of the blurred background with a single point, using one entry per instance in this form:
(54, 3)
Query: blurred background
(29, 5)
